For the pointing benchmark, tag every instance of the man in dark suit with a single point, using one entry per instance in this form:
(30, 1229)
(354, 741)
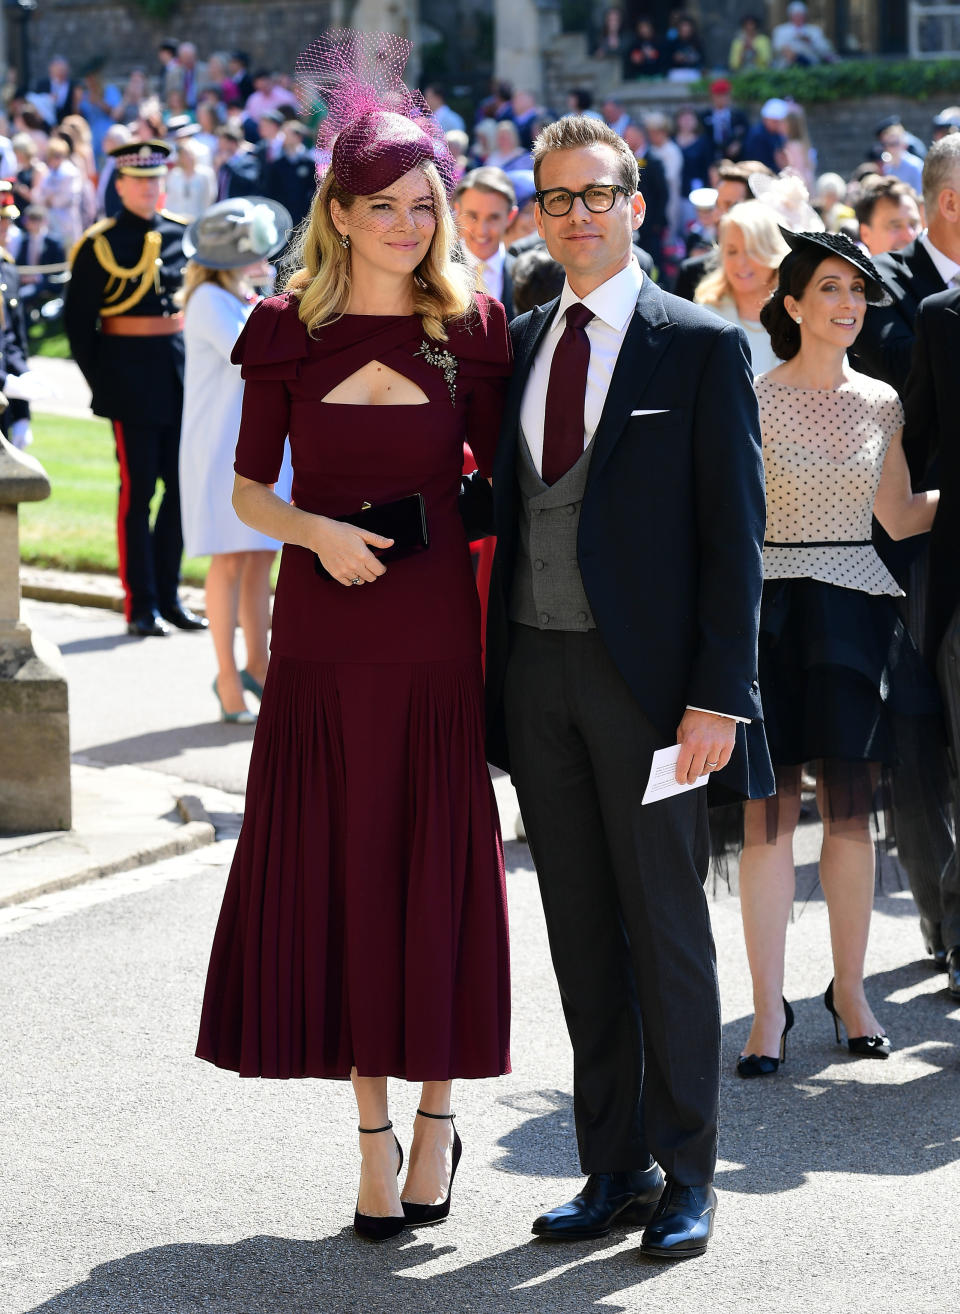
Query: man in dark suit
(923, 267)
(930, 442)
(723, 123)
(38, 249)
(485, 205)
(884, 349)
(238, 165)
(629, 513)
(292, 179)
(59, 86)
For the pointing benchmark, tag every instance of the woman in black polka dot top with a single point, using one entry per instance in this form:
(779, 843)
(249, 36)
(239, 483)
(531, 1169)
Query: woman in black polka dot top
(832, 647)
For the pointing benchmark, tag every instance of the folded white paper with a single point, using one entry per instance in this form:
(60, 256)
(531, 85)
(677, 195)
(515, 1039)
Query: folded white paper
(663, 776)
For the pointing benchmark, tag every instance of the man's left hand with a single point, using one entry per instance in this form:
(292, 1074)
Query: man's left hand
(706, 744)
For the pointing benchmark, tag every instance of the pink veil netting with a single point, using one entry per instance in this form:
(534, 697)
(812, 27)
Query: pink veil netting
(375, 128)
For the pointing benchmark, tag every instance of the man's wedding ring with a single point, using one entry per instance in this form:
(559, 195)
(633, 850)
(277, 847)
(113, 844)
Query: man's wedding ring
(712, 764)
(355, 580)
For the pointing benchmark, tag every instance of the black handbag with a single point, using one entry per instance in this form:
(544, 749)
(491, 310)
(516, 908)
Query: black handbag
(405, 521)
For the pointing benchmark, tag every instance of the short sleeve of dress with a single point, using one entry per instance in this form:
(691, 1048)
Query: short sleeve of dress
(270, 352)
(890, 413)
(487, 361)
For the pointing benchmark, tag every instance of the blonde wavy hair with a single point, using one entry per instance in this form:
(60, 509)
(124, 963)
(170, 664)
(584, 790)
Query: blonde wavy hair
(763, 242)
(443, 285)
(195, 276)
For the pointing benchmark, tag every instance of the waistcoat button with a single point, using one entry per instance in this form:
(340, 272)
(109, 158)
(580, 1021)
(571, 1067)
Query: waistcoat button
(544, 618)
(538, 564)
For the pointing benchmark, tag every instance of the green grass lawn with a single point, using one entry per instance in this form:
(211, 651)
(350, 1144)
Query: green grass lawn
(76, 527)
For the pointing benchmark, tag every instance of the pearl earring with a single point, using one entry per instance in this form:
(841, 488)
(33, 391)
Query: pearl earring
(799, 319)
(345, 241)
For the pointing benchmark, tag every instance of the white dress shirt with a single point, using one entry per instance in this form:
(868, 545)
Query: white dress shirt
(613, 304)
(947, 268)
(491, 273)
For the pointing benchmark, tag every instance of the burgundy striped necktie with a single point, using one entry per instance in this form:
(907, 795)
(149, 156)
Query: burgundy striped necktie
(566, 390)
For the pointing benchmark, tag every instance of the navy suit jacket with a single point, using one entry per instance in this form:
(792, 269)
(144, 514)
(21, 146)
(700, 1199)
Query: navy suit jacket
(932, 447)
(884, 346)
(671, 526)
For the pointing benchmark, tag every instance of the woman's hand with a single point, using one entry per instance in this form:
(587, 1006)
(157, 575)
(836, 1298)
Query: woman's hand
(344, 551)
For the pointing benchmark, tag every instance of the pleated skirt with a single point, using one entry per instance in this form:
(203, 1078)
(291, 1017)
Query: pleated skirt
(364, 920)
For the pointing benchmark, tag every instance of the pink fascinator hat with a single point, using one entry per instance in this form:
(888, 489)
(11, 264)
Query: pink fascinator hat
(375, 128)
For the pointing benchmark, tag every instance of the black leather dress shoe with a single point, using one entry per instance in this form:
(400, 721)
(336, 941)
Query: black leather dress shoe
(183, 618)
(683, 1223)
(934, 944)
(953, 971)
(147, 625)
(628, 1198)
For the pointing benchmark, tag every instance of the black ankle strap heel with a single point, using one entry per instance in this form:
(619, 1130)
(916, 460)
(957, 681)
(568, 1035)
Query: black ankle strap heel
(420, 1215)
(368, 1226)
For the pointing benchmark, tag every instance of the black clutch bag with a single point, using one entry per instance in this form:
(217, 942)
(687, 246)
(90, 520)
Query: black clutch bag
(405, 521)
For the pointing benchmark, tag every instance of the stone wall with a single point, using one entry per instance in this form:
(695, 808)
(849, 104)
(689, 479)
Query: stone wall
(271, 31)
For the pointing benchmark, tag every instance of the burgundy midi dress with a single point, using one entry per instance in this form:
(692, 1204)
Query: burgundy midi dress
(364, 919)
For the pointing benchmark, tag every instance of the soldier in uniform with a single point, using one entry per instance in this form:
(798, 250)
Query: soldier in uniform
(14, 365)
(126, 334)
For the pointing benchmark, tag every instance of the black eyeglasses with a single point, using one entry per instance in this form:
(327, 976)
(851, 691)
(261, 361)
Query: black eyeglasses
(558, 201)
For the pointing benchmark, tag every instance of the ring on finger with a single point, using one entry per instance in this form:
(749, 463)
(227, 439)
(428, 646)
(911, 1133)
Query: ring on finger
(356, 580)
(712, 764)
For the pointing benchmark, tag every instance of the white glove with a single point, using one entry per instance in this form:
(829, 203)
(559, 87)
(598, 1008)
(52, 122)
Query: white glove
(28, 387)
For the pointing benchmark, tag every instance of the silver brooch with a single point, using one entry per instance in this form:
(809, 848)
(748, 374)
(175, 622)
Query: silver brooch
(442, 360)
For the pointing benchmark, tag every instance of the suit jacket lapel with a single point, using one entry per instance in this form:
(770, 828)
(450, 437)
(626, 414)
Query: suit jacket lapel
(648, 336)
(534, 329)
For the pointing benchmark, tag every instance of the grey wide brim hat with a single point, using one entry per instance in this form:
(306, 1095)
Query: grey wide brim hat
(237, 232)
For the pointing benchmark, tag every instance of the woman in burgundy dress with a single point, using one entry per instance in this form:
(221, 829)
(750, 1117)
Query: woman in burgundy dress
(363, 932)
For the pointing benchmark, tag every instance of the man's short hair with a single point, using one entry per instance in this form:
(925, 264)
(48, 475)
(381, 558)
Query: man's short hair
(232, 131)
(487, 179)
(941, 169)
(576, 131)
(739, 171)
(880, 187)
(537, 279)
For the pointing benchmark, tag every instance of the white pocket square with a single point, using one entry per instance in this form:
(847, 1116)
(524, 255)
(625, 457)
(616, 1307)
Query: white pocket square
(662, 411)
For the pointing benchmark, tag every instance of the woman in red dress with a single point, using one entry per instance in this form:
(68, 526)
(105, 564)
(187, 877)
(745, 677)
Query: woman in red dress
(363, 932)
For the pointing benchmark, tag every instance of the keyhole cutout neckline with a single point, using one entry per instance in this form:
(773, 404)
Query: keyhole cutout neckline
(375, 380)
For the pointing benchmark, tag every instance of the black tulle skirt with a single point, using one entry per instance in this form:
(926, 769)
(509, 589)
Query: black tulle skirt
(846, 695)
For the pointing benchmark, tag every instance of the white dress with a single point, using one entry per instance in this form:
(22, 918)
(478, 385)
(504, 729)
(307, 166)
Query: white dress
(212, 402)
(762, 355)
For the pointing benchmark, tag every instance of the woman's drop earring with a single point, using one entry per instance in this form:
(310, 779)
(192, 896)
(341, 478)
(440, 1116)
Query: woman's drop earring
(345, 241)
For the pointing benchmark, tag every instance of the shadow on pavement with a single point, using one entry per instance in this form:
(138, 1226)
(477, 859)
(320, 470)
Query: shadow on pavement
(101, 642)
(162, 745)
(828, 1111)
(824, 1112)
(341, 1274)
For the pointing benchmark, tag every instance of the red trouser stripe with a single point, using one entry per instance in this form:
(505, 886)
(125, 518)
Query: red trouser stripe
(123, 508)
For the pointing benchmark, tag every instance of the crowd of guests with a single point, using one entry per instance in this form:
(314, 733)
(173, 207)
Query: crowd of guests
(676, 53)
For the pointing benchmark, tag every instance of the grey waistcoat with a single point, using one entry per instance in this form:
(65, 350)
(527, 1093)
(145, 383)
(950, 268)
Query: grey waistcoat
(547, 591)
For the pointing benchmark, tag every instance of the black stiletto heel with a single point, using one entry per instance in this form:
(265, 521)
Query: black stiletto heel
(762, 1065)
(370, 1227)
(420, 1215)
(867, 1046)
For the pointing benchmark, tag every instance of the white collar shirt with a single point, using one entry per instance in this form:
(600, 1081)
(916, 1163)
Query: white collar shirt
(613, 304)
(947, 268)
(491, 273)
